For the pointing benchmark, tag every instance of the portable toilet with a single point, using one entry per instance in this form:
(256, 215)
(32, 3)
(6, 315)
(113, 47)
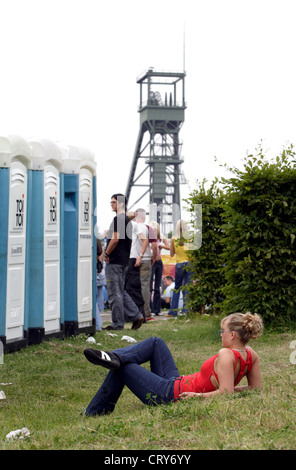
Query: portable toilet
(14, 165)
(79, 240)
(43, 268)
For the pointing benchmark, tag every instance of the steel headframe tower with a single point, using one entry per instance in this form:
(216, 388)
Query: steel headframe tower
(158, 149)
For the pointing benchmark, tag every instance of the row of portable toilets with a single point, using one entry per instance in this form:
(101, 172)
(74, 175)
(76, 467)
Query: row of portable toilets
(47, 241)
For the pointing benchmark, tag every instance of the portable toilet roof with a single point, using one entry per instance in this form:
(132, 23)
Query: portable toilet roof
(13, 146)
(71, 159)
(44, 150)
(74, 158)
(88, 159)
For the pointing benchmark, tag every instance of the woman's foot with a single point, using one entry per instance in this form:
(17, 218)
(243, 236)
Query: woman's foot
(102, 358)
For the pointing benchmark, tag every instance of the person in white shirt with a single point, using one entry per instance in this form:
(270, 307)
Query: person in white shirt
(148, 259)
(167, 294)
(133, 281)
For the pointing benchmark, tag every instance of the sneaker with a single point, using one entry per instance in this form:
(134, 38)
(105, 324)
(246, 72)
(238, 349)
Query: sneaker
(102, 358)
(110, 327)
(138, 323)
(171, 316)
(150, 319)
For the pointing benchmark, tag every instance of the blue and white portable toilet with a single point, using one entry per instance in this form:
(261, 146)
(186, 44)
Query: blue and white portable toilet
(14, 165)
(43, 297)
(79, 171)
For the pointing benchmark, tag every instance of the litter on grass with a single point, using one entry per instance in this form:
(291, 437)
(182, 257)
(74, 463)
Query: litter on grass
(18, 434)
(129, 339)
(92, 340)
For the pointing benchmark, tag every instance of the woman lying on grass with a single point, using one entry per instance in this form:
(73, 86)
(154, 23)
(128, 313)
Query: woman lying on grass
(163, 383)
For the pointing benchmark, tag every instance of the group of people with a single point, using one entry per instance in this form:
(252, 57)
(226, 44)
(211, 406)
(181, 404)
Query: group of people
(131, 267)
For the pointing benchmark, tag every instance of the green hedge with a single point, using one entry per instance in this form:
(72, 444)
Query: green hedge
(207, 262)
(248, 254)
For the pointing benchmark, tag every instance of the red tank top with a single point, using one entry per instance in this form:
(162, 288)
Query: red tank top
(200, 381)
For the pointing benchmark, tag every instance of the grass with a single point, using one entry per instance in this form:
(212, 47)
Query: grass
(52, 383)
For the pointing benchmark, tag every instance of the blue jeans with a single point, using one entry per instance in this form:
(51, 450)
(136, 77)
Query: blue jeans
(182, 277)
(99, 307)
(152, 387)
(121, 305)
(156, 275)
(101, 281)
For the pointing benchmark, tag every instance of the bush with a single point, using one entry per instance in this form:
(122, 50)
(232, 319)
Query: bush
(207, 262)
(259, 244)
(247, 259)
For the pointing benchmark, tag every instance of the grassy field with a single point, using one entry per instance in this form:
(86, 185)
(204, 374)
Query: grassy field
(52, 383)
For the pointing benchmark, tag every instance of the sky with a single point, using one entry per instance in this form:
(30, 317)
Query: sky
(69, 70)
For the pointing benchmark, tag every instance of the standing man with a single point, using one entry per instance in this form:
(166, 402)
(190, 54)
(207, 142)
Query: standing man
(147, 260)
(116, 255)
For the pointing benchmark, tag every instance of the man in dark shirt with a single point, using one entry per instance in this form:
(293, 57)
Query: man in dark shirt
(116, 255)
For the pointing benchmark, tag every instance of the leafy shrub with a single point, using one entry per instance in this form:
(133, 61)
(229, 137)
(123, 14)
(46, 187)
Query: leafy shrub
(207, 262)
(259, 244)
(247, 259)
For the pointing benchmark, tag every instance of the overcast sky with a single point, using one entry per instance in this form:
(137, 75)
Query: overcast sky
(69, 70)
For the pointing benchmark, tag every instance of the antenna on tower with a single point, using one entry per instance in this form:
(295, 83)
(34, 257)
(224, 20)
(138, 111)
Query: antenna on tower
(184, 47)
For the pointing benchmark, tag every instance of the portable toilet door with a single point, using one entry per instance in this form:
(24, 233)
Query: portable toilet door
(88, 179)
(86, 242)
(53, 321)
(44, 250)
(14, 164)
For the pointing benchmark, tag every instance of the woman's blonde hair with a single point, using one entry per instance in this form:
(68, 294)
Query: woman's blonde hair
(246, 325)
(182, 232)
(181, 229)
(155, 226)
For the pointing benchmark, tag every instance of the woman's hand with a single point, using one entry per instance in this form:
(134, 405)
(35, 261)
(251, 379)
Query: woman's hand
(185, 395)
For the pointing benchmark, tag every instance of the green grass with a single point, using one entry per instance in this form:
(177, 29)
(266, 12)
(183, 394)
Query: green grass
(52, 383)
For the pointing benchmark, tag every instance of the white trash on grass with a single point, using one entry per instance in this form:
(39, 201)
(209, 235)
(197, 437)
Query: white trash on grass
(91, 340)
(18, 434)
(129, 339)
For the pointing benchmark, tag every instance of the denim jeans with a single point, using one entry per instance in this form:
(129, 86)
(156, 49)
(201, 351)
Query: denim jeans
(121, 305)
(101, 281)
(156, 275)
(182, 277)
(152, 386)
(99, 307)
